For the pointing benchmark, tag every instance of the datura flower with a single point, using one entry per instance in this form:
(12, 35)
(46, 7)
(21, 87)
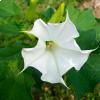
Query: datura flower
(56, 51)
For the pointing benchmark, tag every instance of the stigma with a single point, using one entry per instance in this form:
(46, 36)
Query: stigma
(50, 45)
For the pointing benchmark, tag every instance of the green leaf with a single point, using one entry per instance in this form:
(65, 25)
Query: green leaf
(31, 12)
(58, 15)
(48, 13)
(8, 8)
(10, 28)
(85, 80)
(12, 85)
(9, 51)
(84, 20)
(87, 39)
(97, 28)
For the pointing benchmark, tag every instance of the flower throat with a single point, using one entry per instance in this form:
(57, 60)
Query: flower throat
(50, 45)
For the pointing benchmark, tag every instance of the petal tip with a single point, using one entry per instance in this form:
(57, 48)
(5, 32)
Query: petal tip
(21, 71)
(62, 82)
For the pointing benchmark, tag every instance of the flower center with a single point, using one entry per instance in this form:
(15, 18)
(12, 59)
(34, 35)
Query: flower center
(50, 45)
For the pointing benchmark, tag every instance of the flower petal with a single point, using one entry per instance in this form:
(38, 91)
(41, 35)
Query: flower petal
(43, 61)
(59, 32)
(53, 73)
(63, 62)
(40, 30)
(80, 58)
(71, 28)
(30, 55)
(70, 45)
(70, 58)
(63, 31)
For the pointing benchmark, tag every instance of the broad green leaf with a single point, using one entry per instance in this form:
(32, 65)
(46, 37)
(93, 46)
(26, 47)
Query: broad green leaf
(84, 20)
(97, 28)
(85, 80)
(58, 15)
(9, 29)
(8, 8)
(12, 85)
(87, 39)
(9, 51)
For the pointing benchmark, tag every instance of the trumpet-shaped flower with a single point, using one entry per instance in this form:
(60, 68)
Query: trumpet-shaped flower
(56, 51)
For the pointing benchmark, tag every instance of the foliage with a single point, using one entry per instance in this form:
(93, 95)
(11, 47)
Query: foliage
(8, 8)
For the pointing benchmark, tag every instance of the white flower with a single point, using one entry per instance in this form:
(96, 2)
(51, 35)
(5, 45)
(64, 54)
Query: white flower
(56, 51)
